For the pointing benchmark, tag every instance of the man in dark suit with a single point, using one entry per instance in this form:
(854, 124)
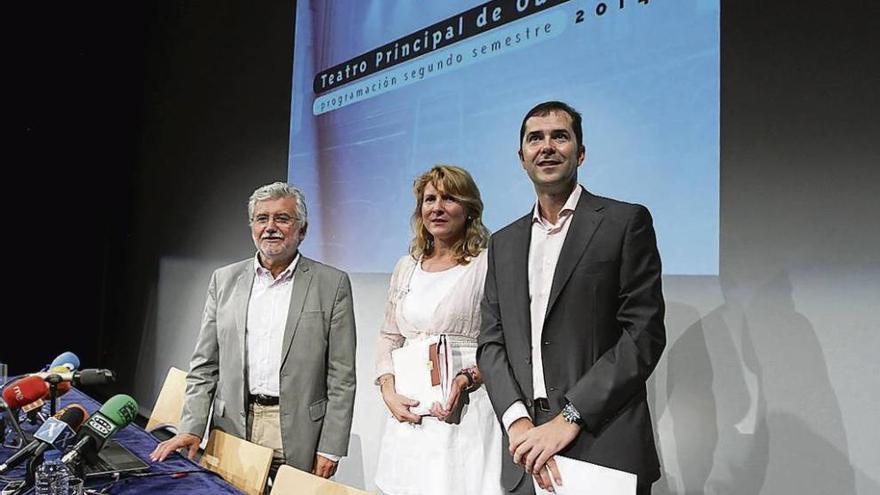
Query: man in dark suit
(572, 318)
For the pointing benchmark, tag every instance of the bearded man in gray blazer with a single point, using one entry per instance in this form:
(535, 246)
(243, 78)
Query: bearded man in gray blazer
(276, 351)
(572, 318)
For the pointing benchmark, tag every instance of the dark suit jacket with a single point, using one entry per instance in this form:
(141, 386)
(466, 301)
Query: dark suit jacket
(603, 332)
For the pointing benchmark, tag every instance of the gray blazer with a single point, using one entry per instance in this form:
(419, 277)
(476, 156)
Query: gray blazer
(317, 382)
(603, 332)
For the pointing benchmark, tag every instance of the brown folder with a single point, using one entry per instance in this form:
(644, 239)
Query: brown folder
(434, 357)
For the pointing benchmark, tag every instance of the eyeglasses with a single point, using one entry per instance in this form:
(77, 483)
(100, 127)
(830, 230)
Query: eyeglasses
(279, 219)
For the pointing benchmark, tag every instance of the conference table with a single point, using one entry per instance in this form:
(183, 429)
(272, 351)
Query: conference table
(176, 475)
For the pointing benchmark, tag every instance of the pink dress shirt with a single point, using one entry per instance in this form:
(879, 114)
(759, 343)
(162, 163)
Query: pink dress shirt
(544, 248)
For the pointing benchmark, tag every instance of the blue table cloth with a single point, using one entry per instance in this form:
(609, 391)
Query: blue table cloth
(190, 478)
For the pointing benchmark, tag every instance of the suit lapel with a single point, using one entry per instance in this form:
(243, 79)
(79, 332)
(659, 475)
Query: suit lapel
(240, 299)
(586, 219)
(519, 276)
(301, 281)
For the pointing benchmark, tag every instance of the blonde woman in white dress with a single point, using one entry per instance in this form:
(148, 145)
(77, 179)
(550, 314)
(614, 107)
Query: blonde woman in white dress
(437, 289)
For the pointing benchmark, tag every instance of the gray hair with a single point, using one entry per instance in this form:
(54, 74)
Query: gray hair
(278, 190)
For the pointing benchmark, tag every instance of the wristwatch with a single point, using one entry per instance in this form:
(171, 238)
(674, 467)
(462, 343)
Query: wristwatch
(571, 415)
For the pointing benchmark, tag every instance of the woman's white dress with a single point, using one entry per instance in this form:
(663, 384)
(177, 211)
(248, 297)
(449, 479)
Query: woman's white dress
(436, 457)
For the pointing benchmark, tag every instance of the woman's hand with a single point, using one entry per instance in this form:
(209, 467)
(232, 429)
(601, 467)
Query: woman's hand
(398, 404)
(444, 411)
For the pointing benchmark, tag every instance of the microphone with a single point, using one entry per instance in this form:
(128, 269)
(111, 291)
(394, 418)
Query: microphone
(86, 377)
(113, 416)
(57, 432)
(62, 431)
(66, 359)
(24, 391)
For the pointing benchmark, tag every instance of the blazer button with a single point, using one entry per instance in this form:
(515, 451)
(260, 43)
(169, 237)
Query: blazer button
(546, 342)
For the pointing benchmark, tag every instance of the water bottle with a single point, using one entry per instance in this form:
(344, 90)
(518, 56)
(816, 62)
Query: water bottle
(51, 478)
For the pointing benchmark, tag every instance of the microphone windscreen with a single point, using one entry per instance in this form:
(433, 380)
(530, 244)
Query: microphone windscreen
(113, 416)
(66, 359)
(74, 415)
(89, 377)
(24, 391)
(121, 409)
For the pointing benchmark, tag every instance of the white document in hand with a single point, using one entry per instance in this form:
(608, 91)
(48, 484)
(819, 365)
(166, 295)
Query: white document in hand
(580, 477)
(412, 374)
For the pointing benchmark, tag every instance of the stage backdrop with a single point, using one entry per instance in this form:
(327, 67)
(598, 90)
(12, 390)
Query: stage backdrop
(384, 90)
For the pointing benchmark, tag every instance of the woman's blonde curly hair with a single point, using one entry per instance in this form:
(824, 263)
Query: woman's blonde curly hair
(458, 183)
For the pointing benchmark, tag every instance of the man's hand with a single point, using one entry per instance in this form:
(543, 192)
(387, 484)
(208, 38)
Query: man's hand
(180, 441)
(543, 477)
(324, 467)
(538, 445)
(516, 432)
(517, 435)
(398, 404)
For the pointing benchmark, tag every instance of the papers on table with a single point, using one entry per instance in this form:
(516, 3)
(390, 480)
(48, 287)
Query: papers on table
(580, 477)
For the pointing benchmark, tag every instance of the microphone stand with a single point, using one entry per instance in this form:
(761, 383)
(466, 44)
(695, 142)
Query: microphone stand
(16, 429)
(18, 487)
(53, 399)
(34, 413)
(32, 465)
(53, 381)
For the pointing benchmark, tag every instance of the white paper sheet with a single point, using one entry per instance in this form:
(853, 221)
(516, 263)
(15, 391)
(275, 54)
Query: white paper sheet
(579, 477)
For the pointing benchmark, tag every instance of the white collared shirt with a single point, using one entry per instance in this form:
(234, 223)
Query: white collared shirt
(544, 248)
(266, 319)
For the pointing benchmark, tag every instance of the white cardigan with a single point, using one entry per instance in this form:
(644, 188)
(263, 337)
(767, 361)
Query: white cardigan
(458, 313)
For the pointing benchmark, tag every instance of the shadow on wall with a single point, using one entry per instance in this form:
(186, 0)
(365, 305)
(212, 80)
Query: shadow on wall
(750, 401)
(808, 449)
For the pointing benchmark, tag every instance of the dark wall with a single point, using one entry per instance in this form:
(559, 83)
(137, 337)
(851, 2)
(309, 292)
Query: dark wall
(76, 71)
(145, 126)
(216, 103)
(799, 136)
